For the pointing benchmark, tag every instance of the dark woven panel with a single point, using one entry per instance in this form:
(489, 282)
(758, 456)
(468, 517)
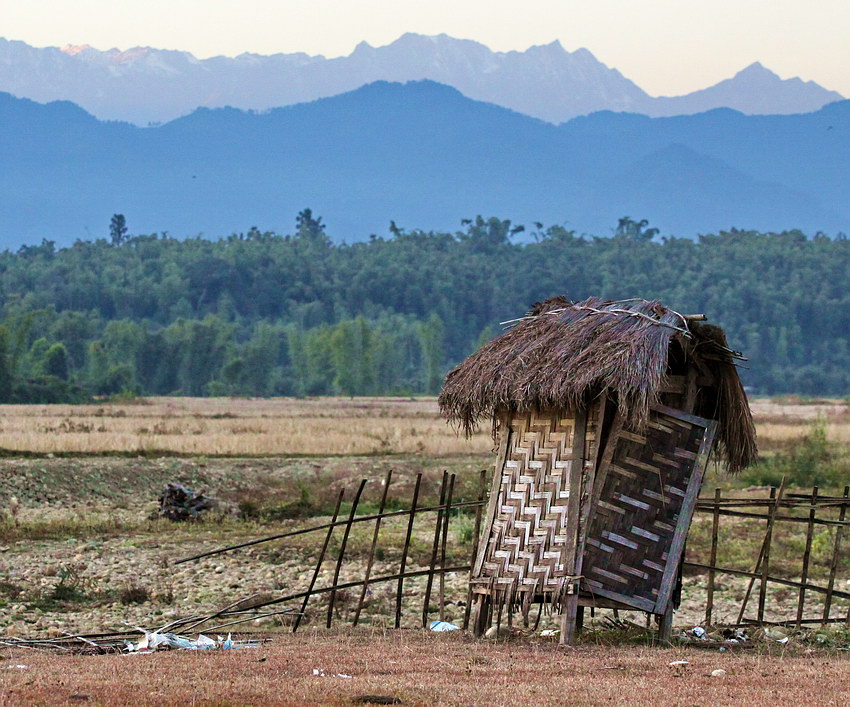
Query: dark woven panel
(634, 521)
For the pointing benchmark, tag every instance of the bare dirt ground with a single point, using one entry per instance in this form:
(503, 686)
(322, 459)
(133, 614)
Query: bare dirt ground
(415, 668)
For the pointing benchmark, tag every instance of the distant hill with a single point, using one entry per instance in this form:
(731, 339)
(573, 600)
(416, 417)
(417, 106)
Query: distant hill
(423, 155)
(142, 84)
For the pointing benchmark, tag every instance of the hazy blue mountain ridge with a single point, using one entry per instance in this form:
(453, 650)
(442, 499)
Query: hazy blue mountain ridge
(144, 85)
(423, 155)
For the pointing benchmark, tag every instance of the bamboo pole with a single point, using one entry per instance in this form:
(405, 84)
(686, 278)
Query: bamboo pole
(446, 518)
(776, 580)
(430, 583)
(777, 499)
(383, 503)
(341, 553)
(765, 567)
(715, 531)
(482, 491)
(313, 528)
(405, 550)
(319, 563)
(836, 552)
(801, 601)
(357, 583)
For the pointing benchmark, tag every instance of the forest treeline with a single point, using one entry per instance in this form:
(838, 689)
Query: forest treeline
(262, 314)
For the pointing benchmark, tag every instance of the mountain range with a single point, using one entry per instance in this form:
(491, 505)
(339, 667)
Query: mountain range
(144, 85)
(421, 154)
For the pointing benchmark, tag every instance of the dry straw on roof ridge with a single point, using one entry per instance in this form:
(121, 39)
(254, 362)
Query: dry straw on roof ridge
(564, 352)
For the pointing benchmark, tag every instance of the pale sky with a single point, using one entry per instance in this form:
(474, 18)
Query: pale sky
(667, 47)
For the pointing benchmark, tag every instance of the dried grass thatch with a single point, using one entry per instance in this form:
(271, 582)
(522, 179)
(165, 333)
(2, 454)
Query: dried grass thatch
(563, 353)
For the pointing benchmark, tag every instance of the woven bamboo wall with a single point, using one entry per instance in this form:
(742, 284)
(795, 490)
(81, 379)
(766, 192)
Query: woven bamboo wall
(526, 553)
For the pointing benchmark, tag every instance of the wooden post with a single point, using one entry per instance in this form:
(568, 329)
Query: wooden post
(810, 529)
(715, 531)
(446, 518)
(665, 625)
(482, 491)
(319, 563)
(400, 589)
(777, 499)
(341, 555)
(765, 568)
(436, 546)
(372, 548)
(573, 559)
(836, 550)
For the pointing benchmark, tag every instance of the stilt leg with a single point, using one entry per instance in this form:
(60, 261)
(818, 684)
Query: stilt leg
(579, 620)
(568, 620)
(480, 615)
(665, 626)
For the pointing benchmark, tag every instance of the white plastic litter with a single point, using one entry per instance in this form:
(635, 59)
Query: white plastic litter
(443, 626)
(154, 640)
(678, 662)
(550, 632)
(16, 667)
(719, 673)
(699, 632)
(319, 672)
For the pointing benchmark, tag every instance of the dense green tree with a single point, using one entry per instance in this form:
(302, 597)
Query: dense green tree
(117, 229)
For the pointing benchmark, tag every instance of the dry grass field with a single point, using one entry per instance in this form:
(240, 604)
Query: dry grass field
(236, 427)
(415, 668)
(78, 490)
(309, 427)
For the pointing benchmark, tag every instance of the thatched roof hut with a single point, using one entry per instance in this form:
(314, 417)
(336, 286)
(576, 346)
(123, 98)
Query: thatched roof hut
(562, 354)
(605, 415)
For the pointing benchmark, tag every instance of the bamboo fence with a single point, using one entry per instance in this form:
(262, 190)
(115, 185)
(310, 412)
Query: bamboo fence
(779, 508)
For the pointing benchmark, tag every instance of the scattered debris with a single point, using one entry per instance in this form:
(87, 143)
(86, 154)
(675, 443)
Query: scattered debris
(443, 626)
(16, 667)
(153, 640)
(550, 632)
(319, 672)
(179, 503)
(376, 700)
(719, 673)
(678, 662)
(717, 637)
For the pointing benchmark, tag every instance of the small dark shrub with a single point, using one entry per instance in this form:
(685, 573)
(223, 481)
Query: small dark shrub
(134, 594)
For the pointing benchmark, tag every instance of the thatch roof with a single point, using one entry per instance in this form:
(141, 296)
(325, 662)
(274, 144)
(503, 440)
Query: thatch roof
(563, 353)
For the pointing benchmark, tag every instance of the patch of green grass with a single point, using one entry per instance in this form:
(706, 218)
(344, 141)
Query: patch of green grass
(812, 461)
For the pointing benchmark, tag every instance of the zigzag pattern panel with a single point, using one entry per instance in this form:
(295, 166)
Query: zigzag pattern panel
(637, 512)
(525, 548)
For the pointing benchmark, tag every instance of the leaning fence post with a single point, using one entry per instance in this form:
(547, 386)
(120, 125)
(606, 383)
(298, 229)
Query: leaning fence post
(833, 567)
(435, 548)
(777, 499)
(715, 529)
(482, 491)
(319, 563)
(405, 549)
(341, 554)
(446, 517)
(372, 548)
(810, 529)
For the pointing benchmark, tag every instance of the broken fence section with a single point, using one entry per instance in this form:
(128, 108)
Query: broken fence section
(812, 509)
